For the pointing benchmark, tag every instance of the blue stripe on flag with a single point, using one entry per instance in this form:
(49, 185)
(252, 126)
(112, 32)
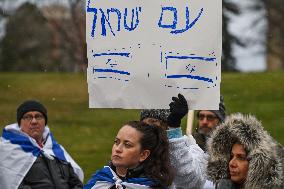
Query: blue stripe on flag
(57, 150)
(22, 141)
(106, 175)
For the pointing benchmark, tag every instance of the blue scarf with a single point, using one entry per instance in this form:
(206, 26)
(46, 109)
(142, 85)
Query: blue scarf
(108, 175)
(27, 146)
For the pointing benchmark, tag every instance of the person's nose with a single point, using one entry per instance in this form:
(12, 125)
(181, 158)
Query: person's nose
(232, 163)
(204, 121)
(34, 120)
(118, 148)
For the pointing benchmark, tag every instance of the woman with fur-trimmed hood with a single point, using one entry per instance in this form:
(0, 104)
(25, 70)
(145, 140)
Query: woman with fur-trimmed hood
(244, 156)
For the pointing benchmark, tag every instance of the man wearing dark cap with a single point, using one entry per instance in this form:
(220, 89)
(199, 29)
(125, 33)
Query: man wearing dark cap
(208, 120)
(32, 118)
(30, 157)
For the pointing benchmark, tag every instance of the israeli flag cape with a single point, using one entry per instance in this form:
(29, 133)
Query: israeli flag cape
(106, 178)
(18, 152)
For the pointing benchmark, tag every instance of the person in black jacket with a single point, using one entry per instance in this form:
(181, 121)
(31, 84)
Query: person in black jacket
(30, 156)
(48, 174)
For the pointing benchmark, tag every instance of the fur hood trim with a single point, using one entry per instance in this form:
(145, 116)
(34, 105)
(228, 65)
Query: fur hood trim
(265, 164)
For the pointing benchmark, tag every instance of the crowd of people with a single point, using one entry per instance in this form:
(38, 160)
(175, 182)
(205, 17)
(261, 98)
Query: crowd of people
(225, 152)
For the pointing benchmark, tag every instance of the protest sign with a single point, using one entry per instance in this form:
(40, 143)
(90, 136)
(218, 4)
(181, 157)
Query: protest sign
(141, 53)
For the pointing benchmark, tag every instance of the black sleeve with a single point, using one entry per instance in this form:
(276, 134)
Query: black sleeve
(74, 181)
(24, 186)
(66, 175)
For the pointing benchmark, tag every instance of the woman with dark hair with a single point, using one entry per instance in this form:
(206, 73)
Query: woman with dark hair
(140, 159)
(244, 156)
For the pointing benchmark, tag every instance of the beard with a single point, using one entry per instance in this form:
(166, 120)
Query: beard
(205, 130)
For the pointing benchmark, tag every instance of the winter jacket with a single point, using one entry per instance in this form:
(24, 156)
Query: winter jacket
(200, 140)
(226, 184)
(107, 178)
(189, 161)
(264, 154)
(47, 174)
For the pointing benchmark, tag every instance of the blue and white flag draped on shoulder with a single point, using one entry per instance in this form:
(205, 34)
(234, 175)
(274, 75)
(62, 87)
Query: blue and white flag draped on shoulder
(106, 178)
(18, 152)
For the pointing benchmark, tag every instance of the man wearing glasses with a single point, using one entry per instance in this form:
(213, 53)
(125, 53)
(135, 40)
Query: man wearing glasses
(30, 157)
(208, 120)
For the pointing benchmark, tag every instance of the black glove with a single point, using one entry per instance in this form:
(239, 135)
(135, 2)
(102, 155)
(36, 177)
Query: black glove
(178, 110)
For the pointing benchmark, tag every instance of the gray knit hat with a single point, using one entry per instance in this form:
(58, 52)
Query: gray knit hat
(160, 114)
(221, 113)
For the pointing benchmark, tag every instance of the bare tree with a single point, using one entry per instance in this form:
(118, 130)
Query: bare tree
(274, 32)
(275, 35)
(78, 14)
(69, 33)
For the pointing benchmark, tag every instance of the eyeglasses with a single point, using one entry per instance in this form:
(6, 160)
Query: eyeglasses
(37, 117)
(208, 117)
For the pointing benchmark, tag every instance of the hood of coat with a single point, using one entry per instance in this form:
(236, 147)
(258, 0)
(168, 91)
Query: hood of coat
(265, 158)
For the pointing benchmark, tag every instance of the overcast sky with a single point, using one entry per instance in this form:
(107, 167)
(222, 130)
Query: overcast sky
(249, 58)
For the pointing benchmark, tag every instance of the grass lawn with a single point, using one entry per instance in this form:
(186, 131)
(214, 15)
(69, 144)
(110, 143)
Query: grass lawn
(88, 134)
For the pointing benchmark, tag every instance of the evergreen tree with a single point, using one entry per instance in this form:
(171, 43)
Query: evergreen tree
(26, 45)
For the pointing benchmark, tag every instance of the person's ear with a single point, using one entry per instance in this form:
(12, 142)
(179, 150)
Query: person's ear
(144, 155)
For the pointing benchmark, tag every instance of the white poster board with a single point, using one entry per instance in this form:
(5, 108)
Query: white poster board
(141, 53)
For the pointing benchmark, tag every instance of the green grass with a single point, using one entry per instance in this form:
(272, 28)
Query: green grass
(88, 134)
